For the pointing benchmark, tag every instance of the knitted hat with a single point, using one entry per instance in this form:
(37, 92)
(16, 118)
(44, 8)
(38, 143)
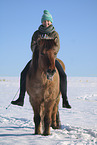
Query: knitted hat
(46, 16)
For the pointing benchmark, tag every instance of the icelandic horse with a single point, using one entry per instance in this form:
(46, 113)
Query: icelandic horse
(43, 86)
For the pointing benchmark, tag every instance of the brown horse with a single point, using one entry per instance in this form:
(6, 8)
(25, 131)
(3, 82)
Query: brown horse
(43, 85)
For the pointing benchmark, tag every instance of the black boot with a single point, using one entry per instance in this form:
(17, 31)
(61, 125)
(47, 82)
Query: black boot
(63, 85)
(20, 100)
(65, 104)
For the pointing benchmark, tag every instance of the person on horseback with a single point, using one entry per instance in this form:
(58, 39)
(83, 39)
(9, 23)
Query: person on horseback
(46, 29)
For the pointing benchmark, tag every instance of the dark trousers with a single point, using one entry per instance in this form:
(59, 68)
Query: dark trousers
(62, 74)
(23, 79)
(63, 79)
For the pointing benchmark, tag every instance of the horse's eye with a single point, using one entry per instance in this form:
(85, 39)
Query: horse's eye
(55, 53)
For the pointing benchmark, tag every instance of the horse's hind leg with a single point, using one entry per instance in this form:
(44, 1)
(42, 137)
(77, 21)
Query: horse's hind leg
(55, 117)
(37, 119)
(54, 114)
(58, 120)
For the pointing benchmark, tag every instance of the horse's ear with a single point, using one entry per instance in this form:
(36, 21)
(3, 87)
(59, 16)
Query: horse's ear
(56, 41)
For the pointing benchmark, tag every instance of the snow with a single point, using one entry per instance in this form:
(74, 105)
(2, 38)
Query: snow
(79, 124)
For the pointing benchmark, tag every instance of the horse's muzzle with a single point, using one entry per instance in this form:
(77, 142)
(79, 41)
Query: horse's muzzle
(50, 74)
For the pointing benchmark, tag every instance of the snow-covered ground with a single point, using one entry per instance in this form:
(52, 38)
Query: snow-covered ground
(79, 124)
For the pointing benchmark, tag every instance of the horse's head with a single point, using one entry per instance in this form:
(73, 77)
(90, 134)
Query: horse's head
(46, 56)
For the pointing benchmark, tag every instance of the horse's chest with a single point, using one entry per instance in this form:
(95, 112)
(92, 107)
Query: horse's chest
(42, 89)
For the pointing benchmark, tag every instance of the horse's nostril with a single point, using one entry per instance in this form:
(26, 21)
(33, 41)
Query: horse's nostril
(49, 71)
(50, 74)
(54, 71)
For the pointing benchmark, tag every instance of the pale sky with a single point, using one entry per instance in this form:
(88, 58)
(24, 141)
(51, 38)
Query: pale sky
(74, 20)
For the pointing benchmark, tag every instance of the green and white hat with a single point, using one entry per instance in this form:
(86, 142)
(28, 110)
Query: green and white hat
(46, 16)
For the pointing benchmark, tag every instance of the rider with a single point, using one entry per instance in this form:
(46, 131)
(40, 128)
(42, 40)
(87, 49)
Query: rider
(44, 30)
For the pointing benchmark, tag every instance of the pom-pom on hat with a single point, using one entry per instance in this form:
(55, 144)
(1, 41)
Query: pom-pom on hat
(46, 16)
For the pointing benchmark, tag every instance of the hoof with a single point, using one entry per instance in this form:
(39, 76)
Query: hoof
(56, 127)
(46, 133)
(37, 133)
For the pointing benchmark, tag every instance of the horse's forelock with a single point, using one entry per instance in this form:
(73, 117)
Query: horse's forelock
(47, 43)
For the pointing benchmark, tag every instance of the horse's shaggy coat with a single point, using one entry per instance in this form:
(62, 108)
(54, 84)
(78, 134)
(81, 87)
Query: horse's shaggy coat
(44, 93)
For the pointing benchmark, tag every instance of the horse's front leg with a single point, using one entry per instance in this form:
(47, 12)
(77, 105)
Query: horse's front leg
(47, 119)
(37, 123)
(37, 119)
